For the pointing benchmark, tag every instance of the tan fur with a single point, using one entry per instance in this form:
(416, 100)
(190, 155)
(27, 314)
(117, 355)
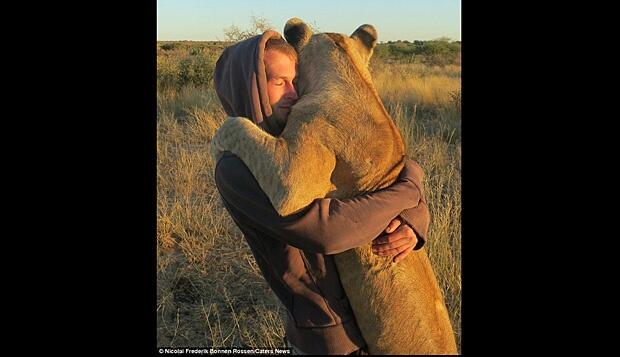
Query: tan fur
(339, 141)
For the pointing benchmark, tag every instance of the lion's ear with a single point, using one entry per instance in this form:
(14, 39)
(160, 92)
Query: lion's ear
(366, 36)
(297, 33)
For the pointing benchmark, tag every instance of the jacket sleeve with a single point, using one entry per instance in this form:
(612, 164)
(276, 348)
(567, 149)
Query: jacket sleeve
(326, 226)
(418, 217)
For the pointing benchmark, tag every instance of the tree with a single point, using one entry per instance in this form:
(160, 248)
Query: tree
(258, 25)
(313, 27)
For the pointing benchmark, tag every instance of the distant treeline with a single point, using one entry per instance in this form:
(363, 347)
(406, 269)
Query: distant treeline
(192, 62)
(189, 45)
(439, 52)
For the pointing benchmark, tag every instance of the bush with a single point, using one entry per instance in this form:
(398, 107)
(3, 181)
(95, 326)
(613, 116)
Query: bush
(190, 63)
(196, 70)
(439, 52)
(167, 72)
(170, 46)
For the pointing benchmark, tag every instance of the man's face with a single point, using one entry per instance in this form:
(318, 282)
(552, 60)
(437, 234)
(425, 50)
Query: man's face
(281, 74)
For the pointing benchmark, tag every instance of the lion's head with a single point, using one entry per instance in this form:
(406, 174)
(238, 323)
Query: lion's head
(325, 59)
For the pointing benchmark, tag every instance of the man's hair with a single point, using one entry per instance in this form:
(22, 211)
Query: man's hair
(280, 45)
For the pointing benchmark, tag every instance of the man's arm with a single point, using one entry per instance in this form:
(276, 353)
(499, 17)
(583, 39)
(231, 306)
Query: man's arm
(327, 226)
(418, 217)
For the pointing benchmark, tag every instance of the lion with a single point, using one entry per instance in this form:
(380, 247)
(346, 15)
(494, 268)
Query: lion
(342, 147)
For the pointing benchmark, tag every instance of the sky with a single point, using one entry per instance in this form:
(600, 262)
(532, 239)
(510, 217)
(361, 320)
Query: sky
(205, 20)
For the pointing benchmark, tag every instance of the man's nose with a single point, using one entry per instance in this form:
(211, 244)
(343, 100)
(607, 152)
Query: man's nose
(291, 93)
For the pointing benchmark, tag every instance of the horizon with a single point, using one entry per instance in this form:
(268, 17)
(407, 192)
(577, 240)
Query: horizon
(421, 20)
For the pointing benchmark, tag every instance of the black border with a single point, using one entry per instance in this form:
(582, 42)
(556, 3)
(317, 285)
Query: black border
(107, 135)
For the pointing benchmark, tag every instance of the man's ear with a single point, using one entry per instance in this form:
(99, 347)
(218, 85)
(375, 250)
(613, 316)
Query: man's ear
(297, 33)
(366, 37)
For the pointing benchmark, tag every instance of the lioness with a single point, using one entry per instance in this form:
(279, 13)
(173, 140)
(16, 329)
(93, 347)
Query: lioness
(339, 148)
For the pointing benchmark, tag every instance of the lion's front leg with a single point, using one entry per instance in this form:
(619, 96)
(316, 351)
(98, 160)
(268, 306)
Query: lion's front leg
(292, 173)
(246, 140)
(265, 155)
(235, 135)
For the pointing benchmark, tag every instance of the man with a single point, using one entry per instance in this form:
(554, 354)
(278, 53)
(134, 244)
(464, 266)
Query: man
(255, 78)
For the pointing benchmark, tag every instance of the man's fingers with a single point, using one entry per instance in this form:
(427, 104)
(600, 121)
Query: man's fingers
(402, 232)
(380, 248)
(393, 225)
(394, 251)
(395, 243)
(402, 255)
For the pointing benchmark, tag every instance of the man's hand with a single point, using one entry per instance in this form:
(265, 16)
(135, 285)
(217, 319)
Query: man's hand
(398, 241)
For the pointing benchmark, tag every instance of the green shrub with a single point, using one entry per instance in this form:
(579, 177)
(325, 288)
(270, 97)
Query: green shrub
(439, 52)
(167, 72)
(196, 70)
(170, 46)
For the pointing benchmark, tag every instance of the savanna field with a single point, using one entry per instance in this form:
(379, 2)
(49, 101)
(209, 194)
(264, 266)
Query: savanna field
(210, 292)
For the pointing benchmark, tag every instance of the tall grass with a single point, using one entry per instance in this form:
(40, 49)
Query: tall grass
(210, 290)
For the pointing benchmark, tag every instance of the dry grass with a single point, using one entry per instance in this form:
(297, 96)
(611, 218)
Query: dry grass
(416, 83)
(210, 290)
